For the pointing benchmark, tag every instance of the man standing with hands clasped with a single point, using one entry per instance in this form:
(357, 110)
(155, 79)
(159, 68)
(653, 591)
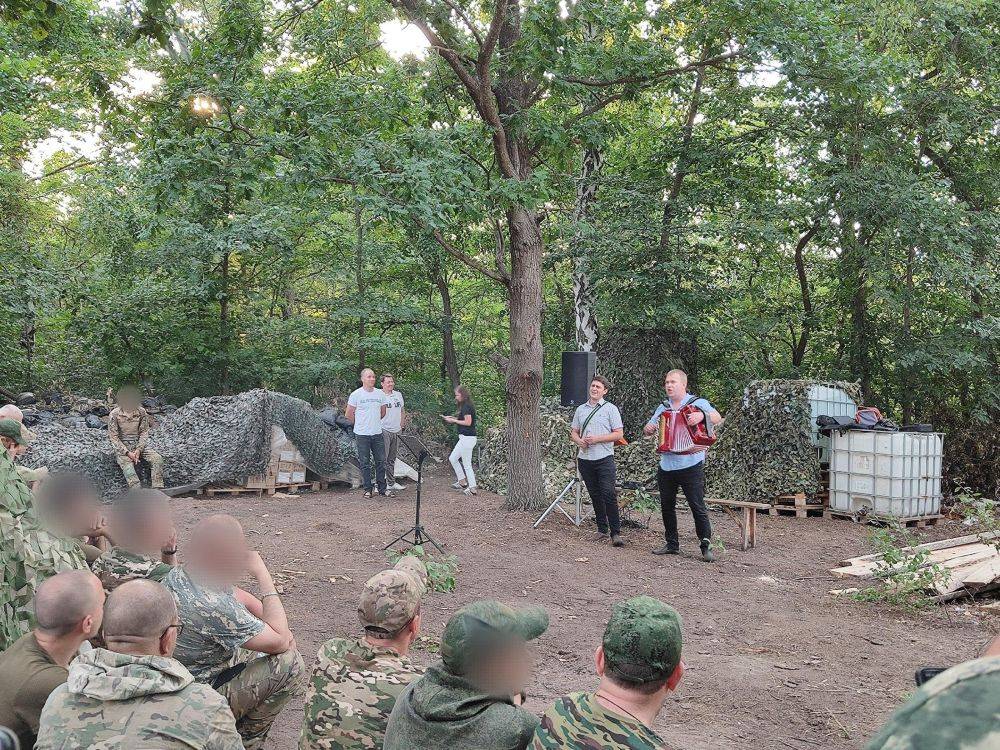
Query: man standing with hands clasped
(683, 470)
(596, 426)
(366, 407)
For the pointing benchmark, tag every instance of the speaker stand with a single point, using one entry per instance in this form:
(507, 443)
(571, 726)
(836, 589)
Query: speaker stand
(557, 503)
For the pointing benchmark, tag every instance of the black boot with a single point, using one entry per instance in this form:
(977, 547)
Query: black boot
(667, 549)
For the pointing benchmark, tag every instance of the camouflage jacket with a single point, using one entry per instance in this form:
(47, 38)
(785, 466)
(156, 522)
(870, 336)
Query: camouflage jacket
(28, 554)
(117, 701)
(353, 688)
(128, 430)
(118, 565)
(958, 710)
(578, 722)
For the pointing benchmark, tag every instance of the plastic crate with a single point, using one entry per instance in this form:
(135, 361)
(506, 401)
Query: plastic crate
(831, 402)
(895, 474)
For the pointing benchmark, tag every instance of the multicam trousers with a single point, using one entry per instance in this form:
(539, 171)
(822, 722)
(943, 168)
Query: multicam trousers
(155, 465)
(258, 693)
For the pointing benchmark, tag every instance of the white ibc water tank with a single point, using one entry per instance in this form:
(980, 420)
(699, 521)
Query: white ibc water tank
(831, 402)
(895, 474)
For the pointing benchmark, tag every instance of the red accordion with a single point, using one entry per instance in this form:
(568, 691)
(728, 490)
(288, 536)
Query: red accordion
(677, 436)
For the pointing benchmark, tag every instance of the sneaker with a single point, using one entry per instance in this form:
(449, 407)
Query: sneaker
(666, 549)
(706, 553)
(368, 493)
(388, 493)
(397, 487)
(458, 486)
(617, 541)
(469, 491)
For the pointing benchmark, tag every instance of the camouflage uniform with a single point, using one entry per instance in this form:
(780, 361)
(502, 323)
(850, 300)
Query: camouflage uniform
(579, 722)
(355, 684)
(117, 701)
(216, 625)
(129, 430)
(957, 710)
(641, 643)
(118, 565)
(28, 553)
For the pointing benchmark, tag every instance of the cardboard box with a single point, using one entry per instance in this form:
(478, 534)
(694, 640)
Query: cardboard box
(290, 466)
(283, 477)
(298, 476)
(287, 455)
(260, 481)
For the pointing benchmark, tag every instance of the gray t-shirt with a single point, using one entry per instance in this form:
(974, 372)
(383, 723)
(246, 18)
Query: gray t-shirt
(605, 421)
(216, 625)
(368, 410)
(393, 419)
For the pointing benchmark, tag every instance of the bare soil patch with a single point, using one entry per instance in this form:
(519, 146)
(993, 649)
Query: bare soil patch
(774, 661)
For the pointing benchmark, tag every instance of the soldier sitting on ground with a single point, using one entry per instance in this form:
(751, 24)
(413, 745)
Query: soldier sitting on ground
(233, 641)
(67, 505)
(29, 553)
(471, 699)
(145, 540)
(68, 610)
(639, 662)
(355, 683)
(132, 694)
(128, 431)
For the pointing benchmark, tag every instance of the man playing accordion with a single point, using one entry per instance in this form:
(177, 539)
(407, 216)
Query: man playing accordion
(683, 470)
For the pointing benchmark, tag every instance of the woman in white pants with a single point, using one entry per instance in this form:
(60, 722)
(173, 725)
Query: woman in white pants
(461, 456)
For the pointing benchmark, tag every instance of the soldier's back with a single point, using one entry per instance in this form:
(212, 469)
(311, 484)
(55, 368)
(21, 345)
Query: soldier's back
(351, 692)
(578, 722)
(118, 565)
(119, 702)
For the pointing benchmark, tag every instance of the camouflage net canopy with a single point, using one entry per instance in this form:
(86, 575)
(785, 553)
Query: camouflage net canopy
(636, 462)
(208, 440)
(765, 447)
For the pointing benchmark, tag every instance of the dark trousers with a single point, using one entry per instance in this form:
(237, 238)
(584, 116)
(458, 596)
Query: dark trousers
(368, 446)
(692, 481)
(599, 476)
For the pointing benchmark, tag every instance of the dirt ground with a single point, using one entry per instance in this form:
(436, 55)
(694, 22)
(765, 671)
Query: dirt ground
(774, 661)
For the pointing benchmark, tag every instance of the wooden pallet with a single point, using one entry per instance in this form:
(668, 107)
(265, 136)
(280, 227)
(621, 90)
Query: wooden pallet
(910, 522)
(798, 505)
(311, 486)
(232, 489)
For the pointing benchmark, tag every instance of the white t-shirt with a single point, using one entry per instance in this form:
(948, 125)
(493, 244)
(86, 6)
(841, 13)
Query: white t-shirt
(368, 410)
(393, 419)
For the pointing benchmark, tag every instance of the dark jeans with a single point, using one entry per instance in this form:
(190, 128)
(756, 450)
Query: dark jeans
(692, 481)
(368, 446)
(599, 476)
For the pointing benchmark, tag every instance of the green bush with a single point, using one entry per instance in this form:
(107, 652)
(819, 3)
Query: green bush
(442, 571)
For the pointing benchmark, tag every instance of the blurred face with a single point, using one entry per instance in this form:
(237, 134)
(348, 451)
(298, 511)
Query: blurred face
(225, 560)
(458, 396)
(508, 671)
(388, 384)
(675, 385)
(128, 398)
(368, 379)
(597, 390)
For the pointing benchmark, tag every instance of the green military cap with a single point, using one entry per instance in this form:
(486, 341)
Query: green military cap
(389, 600)
(413, 565)
(483, 624)
(11, 428)
(958, 710)
(642, 642)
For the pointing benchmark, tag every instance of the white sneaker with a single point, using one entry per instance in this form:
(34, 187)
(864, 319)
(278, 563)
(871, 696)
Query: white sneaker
(458, 486)
(469, 491)
(397, 487)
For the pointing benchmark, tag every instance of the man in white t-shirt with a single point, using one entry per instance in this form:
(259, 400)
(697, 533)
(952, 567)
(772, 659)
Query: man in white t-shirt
(365, 408)
(392, 424)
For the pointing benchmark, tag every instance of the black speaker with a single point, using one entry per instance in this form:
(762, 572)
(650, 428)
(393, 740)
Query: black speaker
(578, 369)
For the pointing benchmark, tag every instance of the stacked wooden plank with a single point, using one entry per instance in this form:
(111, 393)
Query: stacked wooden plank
(972, 564)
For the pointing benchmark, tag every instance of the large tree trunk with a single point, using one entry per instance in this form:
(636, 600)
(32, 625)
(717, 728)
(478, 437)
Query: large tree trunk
(584, 304)
(359, 270)
(524, 371)
(224, 326)
(449, 356)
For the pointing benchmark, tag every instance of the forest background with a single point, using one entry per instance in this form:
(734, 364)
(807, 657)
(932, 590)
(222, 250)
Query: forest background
(212, 196)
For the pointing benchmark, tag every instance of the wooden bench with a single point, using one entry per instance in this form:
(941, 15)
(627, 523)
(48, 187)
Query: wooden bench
(748, 524)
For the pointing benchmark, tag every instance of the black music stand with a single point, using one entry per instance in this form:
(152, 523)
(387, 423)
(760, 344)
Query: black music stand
(420, 535)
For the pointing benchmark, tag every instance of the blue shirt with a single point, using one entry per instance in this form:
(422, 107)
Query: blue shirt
(675, 461)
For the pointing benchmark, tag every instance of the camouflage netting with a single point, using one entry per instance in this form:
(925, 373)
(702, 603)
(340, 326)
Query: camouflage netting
(764, 447)
(209, 440)
(636, 461)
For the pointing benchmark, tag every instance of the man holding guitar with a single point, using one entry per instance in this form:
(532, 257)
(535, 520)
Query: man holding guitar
(685, 471)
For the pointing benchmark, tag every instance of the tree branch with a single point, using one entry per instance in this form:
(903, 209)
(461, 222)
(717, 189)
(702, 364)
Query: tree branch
(653, 77)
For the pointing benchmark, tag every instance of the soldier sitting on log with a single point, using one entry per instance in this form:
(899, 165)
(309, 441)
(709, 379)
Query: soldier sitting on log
(128, 430)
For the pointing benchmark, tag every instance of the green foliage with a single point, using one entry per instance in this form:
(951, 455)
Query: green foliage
(903, 574)
(982, 514)
(442, 570)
